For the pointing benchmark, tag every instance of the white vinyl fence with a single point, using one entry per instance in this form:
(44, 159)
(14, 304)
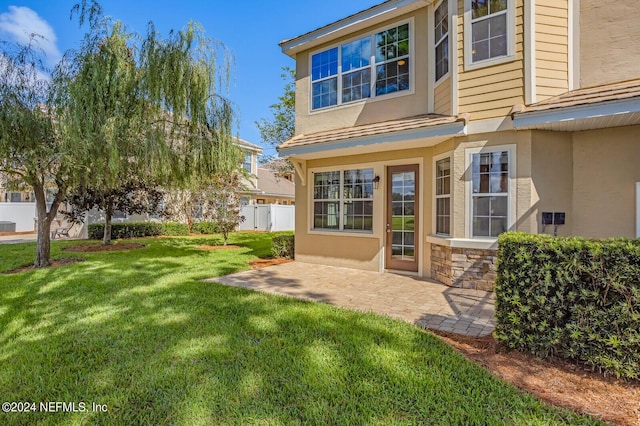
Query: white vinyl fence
(268, 217)
(22, 214)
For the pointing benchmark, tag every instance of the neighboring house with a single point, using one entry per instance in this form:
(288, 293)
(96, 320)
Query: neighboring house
(265, 184)
(425, 129)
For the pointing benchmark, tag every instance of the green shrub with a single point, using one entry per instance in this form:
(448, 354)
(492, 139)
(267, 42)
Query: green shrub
(283, 246)
(175, 229)
(204, 228)
(572, 298)
(125, 230)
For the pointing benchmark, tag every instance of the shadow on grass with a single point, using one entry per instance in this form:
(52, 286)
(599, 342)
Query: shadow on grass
(144, 336)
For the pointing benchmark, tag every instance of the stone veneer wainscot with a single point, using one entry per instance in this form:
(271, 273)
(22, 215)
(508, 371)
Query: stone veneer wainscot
(464, 267)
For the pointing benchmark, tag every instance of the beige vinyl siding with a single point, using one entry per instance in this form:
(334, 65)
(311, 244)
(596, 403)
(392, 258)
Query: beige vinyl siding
(442, 97)
(491, 91)
(552, 48)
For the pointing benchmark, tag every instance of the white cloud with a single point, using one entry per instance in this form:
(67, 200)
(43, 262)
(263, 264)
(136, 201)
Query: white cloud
(20, 23)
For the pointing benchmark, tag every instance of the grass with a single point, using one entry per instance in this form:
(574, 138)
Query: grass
(139, 332)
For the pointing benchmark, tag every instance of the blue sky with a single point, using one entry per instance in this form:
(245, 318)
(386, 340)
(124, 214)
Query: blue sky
(250, 29)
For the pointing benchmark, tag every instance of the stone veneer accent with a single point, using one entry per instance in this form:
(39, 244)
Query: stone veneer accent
(464, 267)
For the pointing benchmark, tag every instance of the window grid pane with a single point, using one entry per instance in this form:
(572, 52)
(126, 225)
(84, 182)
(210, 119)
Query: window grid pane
(392, 57)
(351, 190)
(490, 198)
(358, 60)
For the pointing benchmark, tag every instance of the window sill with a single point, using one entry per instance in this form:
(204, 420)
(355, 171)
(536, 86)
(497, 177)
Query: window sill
(364, 101)
(470, 243)
(337, 233)
(489, 62)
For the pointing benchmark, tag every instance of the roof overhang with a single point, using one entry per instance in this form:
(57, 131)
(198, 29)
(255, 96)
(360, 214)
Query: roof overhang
(625, 112)
(361, 20)
(408, 139)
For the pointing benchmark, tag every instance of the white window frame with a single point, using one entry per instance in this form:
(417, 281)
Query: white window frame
(436, 159)
(372, 65)
(468, 38)
(512, 187)
(444, 76)
(250, 155)
(341, 202)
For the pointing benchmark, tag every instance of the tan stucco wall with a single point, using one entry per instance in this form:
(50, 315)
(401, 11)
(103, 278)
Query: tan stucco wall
(552, 48)
(606, 168)
(525, 218)
(552, 178)
(374, 109)
(364, 251)
(491, 91)
(609, 41)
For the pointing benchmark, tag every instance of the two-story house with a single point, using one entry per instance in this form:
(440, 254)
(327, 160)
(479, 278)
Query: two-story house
(424, 129)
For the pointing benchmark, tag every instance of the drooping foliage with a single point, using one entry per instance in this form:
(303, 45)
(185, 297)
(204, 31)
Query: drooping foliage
(149, 105)
(31, 149)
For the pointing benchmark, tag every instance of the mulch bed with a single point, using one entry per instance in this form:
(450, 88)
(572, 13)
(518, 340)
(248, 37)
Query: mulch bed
(263, 263)
(557, 381)
(53, 264)
(91, 248)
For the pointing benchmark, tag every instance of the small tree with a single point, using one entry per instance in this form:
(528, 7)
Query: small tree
(214, 199)
(132, 197)
(224, 202)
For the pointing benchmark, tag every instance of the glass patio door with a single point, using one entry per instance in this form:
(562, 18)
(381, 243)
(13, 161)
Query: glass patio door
(402, 218)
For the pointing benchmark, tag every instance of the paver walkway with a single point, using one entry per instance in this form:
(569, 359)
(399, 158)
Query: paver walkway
(419, 301)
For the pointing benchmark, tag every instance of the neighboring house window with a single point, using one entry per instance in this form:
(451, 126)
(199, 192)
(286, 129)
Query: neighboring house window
(119, 214)
(371, 66)
(247, 162)
(260, 201)
(16, 197)
(349, 191)
(489, 22)
(443, 196)
(244, 201)
(442, 39)
(490, 193)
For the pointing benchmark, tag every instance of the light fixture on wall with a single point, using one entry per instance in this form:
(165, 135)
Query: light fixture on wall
(376, 182)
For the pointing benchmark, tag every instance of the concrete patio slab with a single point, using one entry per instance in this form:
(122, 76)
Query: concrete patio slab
(419, 301)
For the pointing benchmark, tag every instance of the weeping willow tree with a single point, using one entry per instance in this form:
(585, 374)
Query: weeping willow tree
(122, 106)
(146, 107)
(31, 150)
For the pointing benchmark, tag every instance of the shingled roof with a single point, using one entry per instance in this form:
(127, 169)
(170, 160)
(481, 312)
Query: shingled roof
(374, 129)
(589, 95)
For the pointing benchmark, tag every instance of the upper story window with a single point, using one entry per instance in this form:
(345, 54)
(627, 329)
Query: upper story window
(368, 67)
(441, 37)
(488, 29)
(247, 162)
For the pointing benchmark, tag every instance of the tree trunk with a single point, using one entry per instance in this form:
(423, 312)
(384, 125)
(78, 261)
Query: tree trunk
(43, 242)
(106, 238)
(43, 245)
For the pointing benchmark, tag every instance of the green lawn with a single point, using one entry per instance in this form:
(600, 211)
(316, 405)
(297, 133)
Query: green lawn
(139, 332)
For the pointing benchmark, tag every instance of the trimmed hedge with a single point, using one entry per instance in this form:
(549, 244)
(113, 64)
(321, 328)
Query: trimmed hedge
(571, 297)
(125, 230)
(283, 246)
(205, 228)
(175, 229)
(149, 229)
